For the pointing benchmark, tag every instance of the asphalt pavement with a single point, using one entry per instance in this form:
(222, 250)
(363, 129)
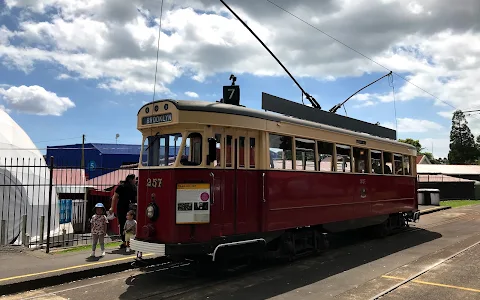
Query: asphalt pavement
(350, 272)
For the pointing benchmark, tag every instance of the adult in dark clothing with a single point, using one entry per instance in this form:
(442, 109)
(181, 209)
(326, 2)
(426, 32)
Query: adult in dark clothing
(125, 194)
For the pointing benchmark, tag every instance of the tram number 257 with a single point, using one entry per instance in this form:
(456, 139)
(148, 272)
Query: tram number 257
(154, 182)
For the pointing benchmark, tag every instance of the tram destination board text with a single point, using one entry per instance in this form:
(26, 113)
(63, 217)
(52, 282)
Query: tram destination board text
(157, 119)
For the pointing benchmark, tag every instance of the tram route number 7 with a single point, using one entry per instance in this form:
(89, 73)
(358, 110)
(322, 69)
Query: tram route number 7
(154, 182)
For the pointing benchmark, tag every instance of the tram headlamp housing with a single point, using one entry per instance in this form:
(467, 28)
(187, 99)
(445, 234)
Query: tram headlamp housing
(152, 211)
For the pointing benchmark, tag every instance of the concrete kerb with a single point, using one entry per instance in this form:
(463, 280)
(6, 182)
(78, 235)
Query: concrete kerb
(434, 209)
(38, 282)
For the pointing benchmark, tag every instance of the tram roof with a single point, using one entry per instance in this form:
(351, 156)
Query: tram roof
(218, 107)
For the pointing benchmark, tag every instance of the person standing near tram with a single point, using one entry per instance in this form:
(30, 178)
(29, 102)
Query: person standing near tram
(124, 196)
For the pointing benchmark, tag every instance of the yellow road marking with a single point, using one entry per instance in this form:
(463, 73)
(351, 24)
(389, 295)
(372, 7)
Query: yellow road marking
(71, 268)
(435, 284)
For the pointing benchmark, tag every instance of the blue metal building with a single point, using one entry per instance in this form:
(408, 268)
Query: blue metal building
(99, 158)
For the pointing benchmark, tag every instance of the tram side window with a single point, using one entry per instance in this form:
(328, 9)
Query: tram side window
(252, 152)
(325, 156)
(281, 152)
(376, 161)
(343, 158)
(398, 164)
(241, 152)
(161, 150)
(406, 165)
(217, 163)
(305, 154)
(360, 158)
(228, 151)
(192, 153)
(387, 163)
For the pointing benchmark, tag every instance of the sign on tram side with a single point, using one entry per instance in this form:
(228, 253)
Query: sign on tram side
(157, 119)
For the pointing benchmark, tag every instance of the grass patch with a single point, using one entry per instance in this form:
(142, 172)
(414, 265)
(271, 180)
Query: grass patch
(458, 203)
(85, 247)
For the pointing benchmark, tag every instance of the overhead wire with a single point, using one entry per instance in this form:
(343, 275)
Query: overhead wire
(358, 52)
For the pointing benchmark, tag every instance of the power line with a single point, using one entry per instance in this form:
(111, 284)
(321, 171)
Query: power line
(358, 52)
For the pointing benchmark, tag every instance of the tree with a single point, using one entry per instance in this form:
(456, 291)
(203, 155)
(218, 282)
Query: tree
(415, 143)
(463, 149)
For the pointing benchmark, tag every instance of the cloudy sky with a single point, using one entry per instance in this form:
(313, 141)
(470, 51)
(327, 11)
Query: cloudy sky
(69, 68)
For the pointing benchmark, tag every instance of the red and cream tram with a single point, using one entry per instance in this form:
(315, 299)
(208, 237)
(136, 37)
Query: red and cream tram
(220, 179)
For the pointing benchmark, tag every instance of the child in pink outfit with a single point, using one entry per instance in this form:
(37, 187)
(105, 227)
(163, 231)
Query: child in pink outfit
(99, 228)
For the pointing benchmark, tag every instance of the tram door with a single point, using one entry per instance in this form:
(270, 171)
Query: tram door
(237, 196)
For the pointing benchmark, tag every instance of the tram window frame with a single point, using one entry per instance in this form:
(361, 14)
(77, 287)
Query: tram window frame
(378, 168)
(195, 152)
(155, 156)
(395, 164)
(322, 149)
(349, 162)
(229, 156)
(303, 152)
(358, 157)
(387, 162)
(285, 144)
(407, 159)
(217, 163)
(242, 143)
(252, 152)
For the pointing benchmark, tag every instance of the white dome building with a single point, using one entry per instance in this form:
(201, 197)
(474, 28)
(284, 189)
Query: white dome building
(24, 186)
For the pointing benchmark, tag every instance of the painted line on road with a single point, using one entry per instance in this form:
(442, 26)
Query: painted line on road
(435, 284)
(72, 267)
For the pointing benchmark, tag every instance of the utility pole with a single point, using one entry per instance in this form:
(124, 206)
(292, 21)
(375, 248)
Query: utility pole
(82, 163)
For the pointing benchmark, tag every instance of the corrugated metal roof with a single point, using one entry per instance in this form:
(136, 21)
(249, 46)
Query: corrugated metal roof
(440, 178)
(69, 177)
(448, 169)
(118, 148)
(107, 181)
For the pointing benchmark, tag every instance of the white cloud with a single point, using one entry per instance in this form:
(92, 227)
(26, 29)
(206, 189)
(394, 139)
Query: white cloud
(191, 94)
(446, 114)
(438, 146)
(432, 43)
(2, 107)
(408, 125)
(35, 100)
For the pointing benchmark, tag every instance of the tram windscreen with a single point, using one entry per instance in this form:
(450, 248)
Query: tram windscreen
(161, 149)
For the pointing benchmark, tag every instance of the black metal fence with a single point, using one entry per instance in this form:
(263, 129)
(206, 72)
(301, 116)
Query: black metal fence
(45, 204)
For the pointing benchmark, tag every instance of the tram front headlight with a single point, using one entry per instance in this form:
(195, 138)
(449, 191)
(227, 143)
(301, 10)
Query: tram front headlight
(152, 211)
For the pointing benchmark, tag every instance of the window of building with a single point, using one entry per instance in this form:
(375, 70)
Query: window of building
(360, 157)
(305, 154)
(241, 152)
(161, 150)
(218, 162)
(252, 152)
(376, 161)
(406, 165)
(387, 163)
(398, 164)
(343, 158)
(281, 152)
(192, 153)
(325, 156)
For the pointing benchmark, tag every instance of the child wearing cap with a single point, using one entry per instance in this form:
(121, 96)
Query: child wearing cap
(99, 228)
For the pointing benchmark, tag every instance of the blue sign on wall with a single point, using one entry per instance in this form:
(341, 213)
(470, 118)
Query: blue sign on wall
(92, 165)
(65, 211)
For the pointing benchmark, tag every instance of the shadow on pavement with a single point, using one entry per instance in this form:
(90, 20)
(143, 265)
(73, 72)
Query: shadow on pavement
(350, 251)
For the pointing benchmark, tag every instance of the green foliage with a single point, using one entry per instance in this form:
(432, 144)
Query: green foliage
(415, 143)
(463, 149)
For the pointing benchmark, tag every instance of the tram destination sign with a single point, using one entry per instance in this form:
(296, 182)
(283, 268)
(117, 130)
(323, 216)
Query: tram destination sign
(157, 119)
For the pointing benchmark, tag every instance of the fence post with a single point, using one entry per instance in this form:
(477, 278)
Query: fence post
(24, 230)
(3, 233)
(49, 216)
(42, 229)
